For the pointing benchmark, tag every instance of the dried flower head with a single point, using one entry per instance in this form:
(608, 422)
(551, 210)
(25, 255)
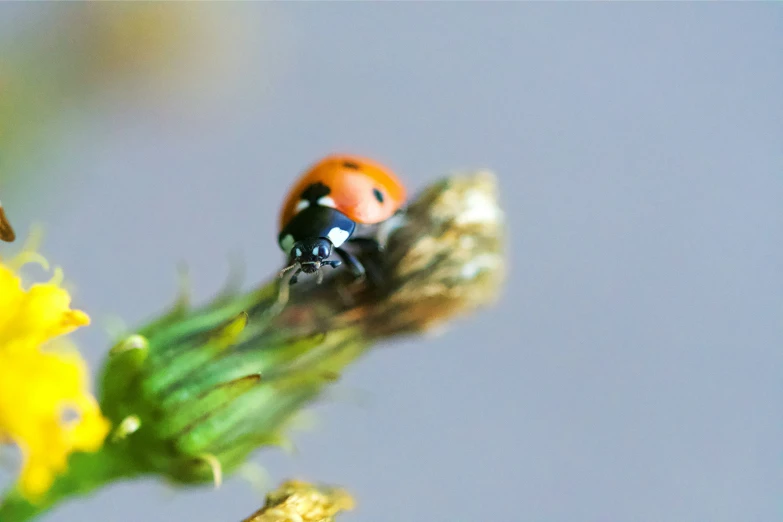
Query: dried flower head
(297, 501)
(445, 258)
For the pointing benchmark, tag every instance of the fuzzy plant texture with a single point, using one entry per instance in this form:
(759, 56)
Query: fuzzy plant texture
(193, 393)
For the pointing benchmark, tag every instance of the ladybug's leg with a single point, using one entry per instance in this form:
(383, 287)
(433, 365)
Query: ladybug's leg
(371, 252)
(294, 279)
(334, 264)
(356, 267)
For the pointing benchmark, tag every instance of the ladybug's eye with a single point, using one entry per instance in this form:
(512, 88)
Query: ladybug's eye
(378, 195)
(323, 251)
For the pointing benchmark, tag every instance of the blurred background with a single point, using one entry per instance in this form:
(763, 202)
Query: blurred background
(631, 371)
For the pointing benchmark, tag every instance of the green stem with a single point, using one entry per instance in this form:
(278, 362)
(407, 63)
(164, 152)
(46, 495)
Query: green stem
(86, 472)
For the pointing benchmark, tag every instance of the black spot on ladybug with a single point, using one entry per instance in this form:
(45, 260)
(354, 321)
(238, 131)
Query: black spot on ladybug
(378, 195)
(315, 192)
(351, 165)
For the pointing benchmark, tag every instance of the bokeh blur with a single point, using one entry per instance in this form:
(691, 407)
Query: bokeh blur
(631, 370)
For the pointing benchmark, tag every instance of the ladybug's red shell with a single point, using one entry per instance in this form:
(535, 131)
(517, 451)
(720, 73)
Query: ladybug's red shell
(362, 189)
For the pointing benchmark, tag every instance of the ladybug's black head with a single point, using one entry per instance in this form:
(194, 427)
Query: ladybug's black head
(310, 254)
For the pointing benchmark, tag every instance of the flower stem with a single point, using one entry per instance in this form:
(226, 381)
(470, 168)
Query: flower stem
(86, 472)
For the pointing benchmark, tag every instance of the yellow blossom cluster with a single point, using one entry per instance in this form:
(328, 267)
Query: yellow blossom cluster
(45, 406)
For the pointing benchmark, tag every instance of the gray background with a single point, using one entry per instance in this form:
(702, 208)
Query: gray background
(631, 371)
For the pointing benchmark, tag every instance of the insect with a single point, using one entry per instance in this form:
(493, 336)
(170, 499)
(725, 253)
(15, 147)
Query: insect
(6, 231)
(339, 199)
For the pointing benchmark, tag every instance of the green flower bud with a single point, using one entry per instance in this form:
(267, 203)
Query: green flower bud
(194, 394)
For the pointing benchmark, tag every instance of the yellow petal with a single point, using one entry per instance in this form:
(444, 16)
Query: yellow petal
(45, 406)
(41, 314)
(10, 292)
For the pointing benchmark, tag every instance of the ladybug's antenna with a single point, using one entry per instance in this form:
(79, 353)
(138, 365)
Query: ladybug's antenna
(291, 279)
(287, 269)
(294, 279)
(296, 267)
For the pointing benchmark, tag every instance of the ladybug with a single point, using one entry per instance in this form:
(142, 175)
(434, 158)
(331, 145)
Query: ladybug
(339, 199)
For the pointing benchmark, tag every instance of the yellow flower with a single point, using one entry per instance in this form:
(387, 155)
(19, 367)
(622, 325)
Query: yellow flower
(45, 408)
